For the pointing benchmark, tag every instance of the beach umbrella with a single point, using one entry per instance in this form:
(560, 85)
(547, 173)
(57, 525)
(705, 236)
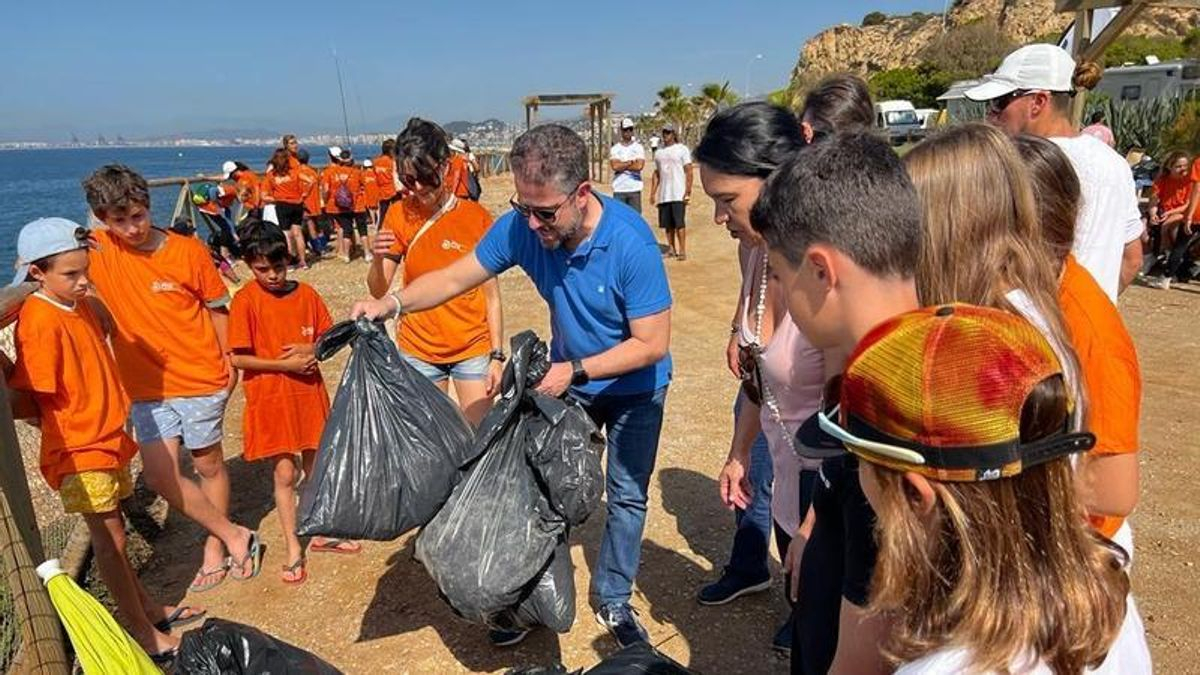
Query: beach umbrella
(103, 647)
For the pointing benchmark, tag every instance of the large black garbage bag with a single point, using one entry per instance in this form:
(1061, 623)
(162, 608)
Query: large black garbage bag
(637, 658)
(537, 473)
(221, 647)
(392, 449)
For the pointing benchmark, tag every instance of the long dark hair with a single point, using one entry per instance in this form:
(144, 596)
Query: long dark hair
(839, 103)
(280, 161)
(750, 139)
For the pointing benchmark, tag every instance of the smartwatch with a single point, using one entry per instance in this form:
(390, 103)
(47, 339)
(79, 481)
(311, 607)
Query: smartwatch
(579, 376)
(497, 355)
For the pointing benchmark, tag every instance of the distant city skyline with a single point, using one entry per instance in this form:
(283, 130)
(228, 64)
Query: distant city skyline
(140, 69)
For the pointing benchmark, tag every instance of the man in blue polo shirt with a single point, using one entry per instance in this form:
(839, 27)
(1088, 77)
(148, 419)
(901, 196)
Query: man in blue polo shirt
(596, 263)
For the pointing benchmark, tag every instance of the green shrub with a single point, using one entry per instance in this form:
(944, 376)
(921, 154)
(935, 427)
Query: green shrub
(874, 19)
(1184, 133)
(1139, 124)
(1135, 48)
(921, 85)
(968, 51)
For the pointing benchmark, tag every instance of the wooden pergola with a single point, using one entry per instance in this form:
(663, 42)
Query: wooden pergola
(1090, 48)
(599, 108)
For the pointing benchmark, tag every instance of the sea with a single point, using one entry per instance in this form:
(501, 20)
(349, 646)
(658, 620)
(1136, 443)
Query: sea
(46, 182)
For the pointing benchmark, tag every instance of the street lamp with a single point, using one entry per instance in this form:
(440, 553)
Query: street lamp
(750, 64)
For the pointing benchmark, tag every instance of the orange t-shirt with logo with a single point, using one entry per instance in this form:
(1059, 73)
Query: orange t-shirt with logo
(249, 190)
(456, 176)
(456, 330)
(1112, 377)
(165, 343)
(385, 176)
(286, 188)
(370, 185)
(285, 412)
(332, 178)
(64, 361)
(310, 181)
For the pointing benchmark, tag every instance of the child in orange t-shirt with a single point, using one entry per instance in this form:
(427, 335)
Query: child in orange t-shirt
(273, 326)
(1112, 379)
(66, 372)
(169, 307)
(340, 181)
(370, 192)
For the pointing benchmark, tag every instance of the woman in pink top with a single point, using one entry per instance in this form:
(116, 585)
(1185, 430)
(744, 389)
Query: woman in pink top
(782, 373)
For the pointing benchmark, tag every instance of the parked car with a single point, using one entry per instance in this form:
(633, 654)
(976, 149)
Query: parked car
(899, 120)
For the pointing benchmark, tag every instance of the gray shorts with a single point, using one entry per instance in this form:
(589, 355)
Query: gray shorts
(198, 420)
(632, 199)
(474, 368)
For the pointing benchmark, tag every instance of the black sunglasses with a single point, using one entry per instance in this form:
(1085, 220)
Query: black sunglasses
(430, 180)
(998, 104)
(545, 215)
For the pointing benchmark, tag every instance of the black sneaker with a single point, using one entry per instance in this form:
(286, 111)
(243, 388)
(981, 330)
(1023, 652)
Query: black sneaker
(619, 619)
(729, 588)
(782, 642)
(506, 638)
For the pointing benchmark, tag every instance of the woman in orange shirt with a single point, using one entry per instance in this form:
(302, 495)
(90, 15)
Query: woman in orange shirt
(385, 176)
(284, 188)
(429, 229)
(273, 326)
(1169, 198)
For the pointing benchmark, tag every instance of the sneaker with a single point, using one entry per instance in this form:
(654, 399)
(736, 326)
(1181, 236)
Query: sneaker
(729, 588)
(619, 619)
(782, 642)
(506, 638)
(1164, 283)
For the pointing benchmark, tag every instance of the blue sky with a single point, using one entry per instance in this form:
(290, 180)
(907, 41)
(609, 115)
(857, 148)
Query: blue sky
(147, 68)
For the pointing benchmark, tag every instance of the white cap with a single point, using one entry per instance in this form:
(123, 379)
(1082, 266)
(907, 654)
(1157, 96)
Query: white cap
(457, 145)
(335, 151)
(627, 123)
(228, 168)
(1040, 67)
(367, 162)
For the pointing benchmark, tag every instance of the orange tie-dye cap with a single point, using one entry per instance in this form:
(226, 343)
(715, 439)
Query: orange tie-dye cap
(939, 391)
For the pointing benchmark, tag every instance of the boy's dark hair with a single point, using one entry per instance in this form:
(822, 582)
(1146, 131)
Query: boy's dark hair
(850, 192)
(424, 144)
(115, 186)
(263, 240)
(750, 139)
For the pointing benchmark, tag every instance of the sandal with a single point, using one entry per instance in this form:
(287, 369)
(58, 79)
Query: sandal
(342, 546)
(298, 570)
(177, 618)
(198, 586)
(165, 657)
(254, 556)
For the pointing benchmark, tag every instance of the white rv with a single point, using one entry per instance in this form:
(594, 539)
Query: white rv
(1170, 79)
(899, 120)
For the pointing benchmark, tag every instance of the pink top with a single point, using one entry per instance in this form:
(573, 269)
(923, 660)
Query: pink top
(794, 371)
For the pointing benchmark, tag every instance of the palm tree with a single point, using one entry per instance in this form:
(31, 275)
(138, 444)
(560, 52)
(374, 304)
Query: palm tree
(714, 97)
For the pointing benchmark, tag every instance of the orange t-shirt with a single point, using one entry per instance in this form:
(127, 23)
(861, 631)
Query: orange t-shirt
(456, 176)
(310, 180)
(1111, 375)
(370, 185)
(286, 188)
(332, 178)
(1196, 180)
(226, 194)
(385, 176)
(249, 190)
(1171, 192)
(285, 412)
(457, 330)
(64, 361)
(165, 343)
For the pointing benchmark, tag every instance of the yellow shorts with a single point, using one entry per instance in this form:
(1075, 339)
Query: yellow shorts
(95, 491)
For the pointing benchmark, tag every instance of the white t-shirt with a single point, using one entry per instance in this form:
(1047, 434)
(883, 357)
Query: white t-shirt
(1108, 215)
(672, 182)
(627, 181)
(1129, 655)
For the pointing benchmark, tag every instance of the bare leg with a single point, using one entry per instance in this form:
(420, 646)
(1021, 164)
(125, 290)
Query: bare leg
(671, 241)
(107, 531)
(285, 504)
(160, 466)
(473, 399)
(214, 483)
(681, 233)
(296, 242)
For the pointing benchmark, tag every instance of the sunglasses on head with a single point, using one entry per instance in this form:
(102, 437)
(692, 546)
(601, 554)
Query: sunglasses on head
(546, 215)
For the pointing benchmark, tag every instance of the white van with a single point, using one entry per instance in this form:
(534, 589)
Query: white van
(899, 120)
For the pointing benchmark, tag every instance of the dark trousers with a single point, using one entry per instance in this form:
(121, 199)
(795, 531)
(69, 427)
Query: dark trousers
(632, 199)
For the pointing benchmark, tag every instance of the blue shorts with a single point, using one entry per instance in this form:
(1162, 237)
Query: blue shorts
(474, 368)
(198, 420)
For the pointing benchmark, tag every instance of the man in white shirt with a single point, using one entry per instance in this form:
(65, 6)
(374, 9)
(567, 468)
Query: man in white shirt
(1030, 93)
(627, 159)
(672, 188)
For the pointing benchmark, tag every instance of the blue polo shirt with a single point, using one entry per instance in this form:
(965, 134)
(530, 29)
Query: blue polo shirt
(594, 291)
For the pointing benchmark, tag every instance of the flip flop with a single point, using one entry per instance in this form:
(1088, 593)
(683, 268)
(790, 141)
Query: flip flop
(165, 657)
(177, 618)
(222, 569)
(336, 546)
(295, 567)
(254, 555)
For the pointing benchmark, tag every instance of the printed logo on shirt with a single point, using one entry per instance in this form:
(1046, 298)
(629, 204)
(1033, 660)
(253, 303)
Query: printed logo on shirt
(988, 474)
(451, 245)
(307, 331)
(163, 286)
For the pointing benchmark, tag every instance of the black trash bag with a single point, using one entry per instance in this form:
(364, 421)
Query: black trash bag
(639, 657)
(221, 647)
(537, 473)
(392, 449)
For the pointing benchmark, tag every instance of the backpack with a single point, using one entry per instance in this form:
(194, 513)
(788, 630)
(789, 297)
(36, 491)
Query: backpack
(474, 189)
(343, 198)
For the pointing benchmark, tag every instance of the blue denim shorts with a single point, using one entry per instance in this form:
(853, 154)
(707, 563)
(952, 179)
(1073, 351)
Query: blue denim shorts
(198, 420)
(474, 368)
